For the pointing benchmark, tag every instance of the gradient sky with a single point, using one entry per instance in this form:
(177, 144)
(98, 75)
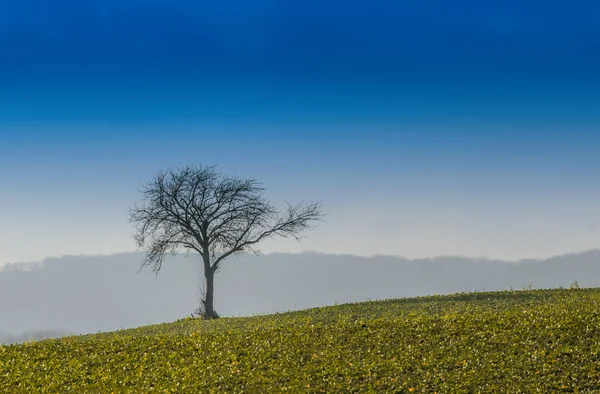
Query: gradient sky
(426, 127)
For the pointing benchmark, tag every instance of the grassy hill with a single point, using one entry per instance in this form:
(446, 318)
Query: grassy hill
(514, 341)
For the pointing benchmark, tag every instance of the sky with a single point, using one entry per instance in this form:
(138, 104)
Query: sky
(426, 127)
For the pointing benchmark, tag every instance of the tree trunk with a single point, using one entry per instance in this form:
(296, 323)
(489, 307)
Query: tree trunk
(209, 308)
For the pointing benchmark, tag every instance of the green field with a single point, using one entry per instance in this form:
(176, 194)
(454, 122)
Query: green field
(511, 342)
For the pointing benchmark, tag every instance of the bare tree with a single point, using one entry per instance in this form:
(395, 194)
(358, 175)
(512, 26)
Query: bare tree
(197, 209)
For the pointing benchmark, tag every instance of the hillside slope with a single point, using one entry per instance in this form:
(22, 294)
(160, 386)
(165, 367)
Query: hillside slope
(512, 341)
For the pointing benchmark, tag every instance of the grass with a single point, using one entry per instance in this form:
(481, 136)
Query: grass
(514, 341)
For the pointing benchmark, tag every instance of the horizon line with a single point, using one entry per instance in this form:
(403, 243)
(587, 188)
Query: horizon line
(3, 266)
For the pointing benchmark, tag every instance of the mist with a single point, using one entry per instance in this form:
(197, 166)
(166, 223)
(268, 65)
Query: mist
(88, 294)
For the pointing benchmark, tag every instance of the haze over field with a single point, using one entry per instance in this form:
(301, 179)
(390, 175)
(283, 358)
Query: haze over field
(89, 294)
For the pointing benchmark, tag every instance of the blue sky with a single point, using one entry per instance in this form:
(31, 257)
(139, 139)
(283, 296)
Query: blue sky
(427, 127)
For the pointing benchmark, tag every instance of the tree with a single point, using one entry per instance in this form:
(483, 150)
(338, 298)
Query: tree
(197, 209)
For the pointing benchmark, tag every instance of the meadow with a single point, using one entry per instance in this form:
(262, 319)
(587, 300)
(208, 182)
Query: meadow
(512, 342)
